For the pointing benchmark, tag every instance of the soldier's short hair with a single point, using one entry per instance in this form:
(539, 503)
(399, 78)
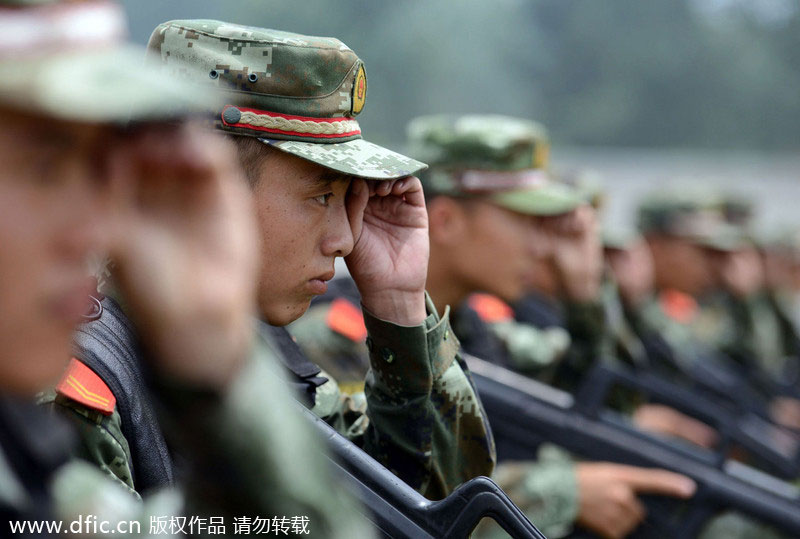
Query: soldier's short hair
(251, 153)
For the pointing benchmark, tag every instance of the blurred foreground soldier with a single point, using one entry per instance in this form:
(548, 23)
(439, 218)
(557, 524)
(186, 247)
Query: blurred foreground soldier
(164, 202)
(321, 192)
(486, 193)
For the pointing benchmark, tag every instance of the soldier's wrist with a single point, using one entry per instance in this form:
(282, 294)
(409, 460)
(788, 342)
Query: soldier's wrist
(401, 307)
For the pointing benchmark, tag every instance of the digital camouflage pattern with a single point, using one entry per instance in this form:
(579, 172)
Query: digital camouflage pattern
(100, 437)
(544, 489)
(531, 350)
(358, 158)
(498, 157)
(522, 347)
(418, 414)
(229, 437)
(421, 417)
(297, 93)
(342, 354)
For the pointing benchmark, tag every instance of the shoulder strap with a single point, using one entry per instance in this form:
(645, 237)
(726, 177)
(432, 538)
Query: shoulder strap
(110, 348)
(81, 384)
(305, 375)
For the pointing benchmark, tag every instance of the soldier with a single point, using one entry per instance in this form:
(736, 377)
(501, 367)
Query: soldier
(164, 201)
(322, 192)
(487, 192)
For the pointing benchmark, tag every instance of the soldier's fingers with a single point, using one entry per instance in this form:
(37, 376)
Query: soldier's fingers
(633, 514)
(657, 481)
(411, 189)
(357, 199)
(384, 188)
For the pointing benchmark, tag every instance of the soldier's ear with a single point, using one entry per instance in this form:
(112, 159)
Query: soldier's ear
(447, 220)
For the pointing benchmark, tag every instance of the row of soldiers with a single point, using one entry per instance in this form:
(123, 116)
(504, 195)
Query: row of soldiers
(222, 180)
(536, 286)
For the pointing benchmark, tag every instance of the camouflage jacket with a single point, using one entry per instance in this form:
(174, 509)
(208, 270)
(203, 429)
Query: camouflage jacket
(419, 414)
(235, 466)
(545, 489)
(418, 405)
(590, 337)
(755, 332)
(487, 329)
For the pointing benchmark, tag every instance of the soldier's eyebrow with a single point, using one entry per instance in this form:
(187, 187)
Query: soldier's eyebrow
(324, 180)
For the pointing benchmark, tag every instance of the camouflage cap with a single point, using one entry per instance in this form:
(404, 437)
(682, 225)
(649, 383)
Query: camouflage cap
(589, 184)
(501, 158)
(695, 215)
(299, 94)
(66, 60)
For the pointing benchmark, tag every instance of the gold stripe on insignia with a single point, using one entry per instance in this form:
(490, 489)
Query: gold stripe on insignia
(85, 393)
(351, 388)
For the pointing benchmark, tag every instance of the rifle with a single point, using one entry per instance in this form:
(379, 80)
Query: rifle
(525, 413)
(398, 511)
(771, 448)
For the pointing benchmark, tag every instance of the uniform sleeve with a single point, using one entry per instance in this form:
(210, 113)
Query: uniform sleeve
(546, 490)
(422, 418)
(248, 453)
(101, 441)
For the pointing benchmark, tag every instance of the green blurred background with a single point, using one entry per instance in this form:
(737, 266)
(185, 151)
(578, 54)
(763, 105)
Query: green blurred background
(644, 92)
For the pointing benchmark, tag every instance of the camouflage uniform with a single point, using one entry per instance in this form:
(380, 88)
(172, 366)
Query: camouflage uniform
(421, 417)
(545, 489)
(235, 466)
(754, 331)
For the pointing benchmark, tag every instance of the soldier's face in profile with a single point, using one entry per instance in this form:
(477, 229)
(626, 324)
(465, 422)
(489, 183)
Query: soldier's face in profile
(51, 202)
(681, 264)
(633, 271)
(304, 227)
(498, 251)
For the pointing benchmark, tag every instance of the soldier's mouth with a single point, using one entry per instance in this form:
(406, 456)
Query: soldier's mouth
(319, 284)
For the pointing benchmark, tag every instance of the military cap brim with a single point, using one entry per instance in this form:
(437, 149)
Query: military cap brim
(111, 85)
(547, 200)
(358, 158)
(724, 238)
(620, 239)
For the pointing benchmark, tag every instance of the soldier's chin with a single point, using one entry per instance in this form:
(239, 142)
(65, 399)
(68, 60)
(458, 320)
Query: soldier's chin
(284, 313)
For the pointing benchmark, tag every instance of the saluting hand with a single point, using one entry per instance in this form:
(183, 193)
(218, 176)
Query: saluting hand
(184, 246)
(578, 253)
(389, 261)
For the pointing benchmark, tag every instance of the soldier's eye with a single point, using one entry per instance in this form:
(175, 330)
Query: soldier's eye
(323, 199)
